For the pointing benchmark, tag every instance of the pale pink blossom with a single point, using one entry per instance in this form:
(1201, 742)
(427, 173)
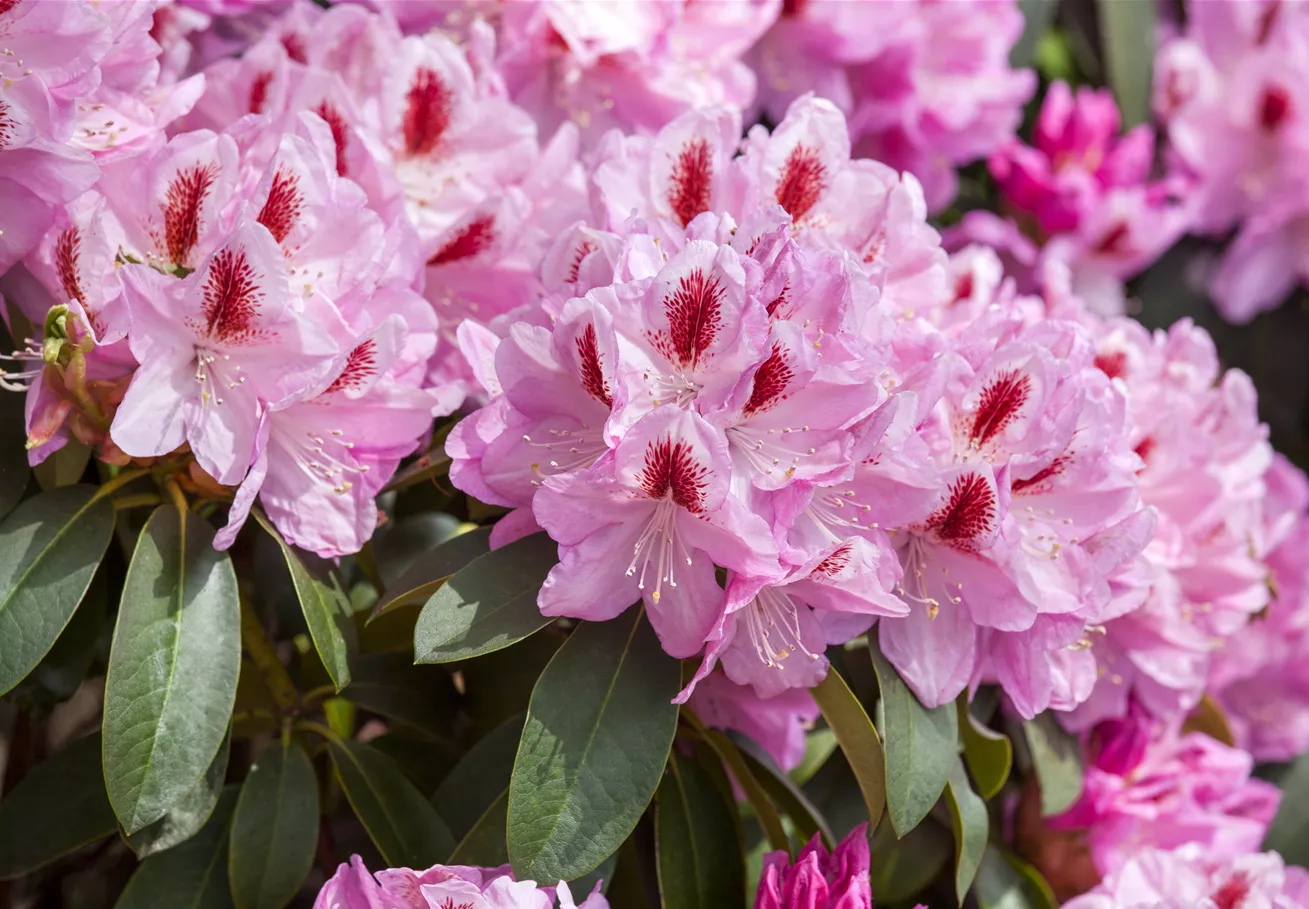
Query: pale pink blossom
(353, 887)
(1148, 786)
(1188, 878)
(927, 85)
(778, 724)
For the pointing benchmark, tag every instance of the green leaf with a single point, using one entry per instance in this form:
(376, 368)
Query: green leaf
(1037, 16)
(1006, 883)
(989, 754)
(274, 830)
(1289, 833)
(498, 686)
(921, 745)
(50, 547)
(64, 668)
(970, 823)
(784, 792)
(424, 759)
(14, 472)
(900, 868)
(63, 468)
(1128, 30)
(485, 843)
(391, 685)
(697, 846)
(59, 807)
(488, 604)
(173, 667)
(858, 739)
(191, 876)
(597, 736)
(326, 608)
(425, 576)
(818, 747)
(404, 827)
(1057, 761)
(479, 778)
(189, 813)
(765, 811)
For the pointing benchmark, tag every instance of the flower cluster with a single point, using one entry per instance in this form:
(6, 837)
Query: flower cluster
(1150, 786)
(441, 886)
(1186, 877)
(1231, 89)
(926, 85)
(1084, 194)
(763, 381)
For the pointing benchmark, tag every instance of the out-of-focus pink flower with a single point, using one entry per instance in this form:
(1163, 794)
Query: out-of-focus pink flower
(1205, 456)
(1147, 786)
(1233, 92)
(353, 887)
(777, 723)
(1188, 877)
(1260, 676)
(632, 63)
(818, 880)
(927, 85)
(1087, 193)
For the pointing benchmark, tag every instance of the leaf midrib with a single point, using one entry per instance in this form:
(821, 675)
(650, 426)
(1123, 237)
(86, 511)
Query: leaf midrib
(590, 740)
(172, 670)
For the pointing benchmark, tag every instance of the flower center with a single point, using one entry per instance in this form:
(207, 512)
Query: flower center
(772, 620)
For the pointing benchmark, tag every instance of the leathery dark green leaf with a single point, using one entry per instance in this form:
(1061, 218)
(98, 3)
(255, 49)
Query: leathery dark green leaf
(325, 606)
(1057, 761)
(488, 604)
(190, 876)
(989, 753)
(275, 829)
(697, 845)
(789, 797)
(597, 737)
(920, 748)
(425, 577)
(188, 814)
(59, 807)
(858, 739)
(402, 824)
(173, 667)
(970, 822)
(50, 547)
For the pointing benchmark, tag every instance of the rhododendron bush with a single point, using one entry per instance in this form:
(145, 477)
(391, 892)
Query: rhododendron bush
(653, 454)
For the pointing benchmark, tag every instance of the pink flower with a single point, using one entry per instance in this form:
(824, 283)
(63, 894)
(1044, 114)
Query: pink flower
(1077, 157)
(777, 723)
(926, 85)
(216, 348)
(817, 880)
(1233, 89)
(651, 523)
(631, 64)
(1188, 877)
(321, 458)
(1087, 193)
(38, 172)
(1148, 786)
(1261, 675)
(352, 887)
(1205, 456)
